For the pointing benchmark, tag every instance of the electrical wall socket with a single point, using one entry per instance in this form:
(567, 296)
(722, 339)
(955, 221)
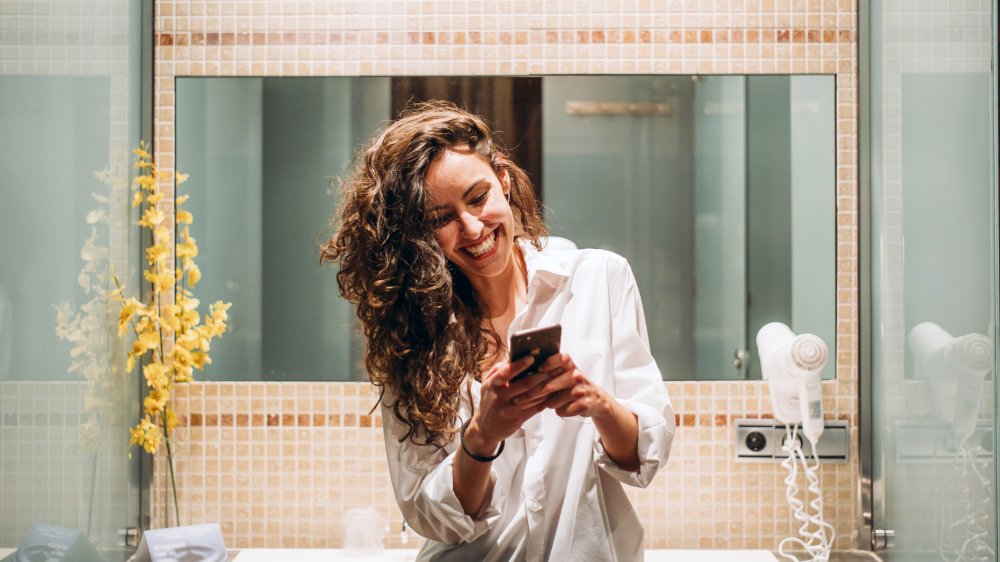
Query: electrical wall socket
(760, 440)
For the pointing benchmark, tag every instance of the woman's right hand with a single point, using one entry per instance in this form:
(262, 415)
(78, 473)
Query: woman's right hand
(497, 417)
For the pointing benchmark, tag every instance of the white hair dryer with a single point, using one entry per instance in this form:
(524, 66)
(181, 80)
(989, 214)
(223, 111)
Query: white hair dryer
(792, 364)
(956, 368)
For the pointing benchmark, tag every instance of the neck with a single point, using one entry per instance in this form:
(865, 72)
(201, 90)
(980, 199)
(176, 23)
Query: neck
(503, 295)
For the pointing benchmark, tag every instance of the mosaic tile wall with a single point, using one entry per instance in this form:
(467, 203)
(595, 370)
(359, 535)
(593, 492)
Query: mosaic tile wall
(278, 464)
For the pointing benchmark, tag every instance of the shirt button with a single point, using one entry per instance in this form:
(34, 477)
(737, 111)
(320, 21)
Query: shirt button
(533, 505)
(533, 443)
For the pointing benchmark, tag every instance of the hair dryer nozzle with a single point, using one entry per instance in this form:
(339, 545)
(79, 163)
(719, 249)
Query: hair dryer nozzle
(807, 352)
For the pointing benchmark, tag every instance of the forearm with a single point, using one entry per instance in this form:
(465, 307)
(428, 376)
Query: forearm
(471, 477)
(619, 431)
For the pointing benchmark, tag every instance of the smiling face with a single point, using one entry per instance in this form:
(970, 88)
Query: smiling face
(468, 210)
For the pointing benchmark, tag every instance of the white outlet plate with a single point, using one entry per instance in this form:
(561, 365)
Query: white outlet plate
(833, 447)
(930, 441)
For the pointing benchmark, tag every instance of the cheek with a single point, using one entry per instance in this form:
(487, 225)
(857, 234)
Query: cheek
(445, 235)
(499, 209)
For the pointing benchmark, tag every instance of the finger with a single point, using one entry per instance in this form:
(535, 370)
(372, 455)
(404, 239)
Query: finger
(538, 386)
(560, 399)
(508, 371)
(492, 372)
(531, 399)
(570, 409)
(529, 405)
(557, 360)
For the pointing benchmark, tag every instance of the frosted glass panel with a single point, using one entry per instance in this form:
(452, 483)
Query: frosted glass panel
(69, 117)
(934, 283)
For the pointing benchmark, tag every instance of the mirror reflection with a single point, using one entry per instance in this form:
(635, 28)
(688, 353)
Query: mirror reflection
(719, 190)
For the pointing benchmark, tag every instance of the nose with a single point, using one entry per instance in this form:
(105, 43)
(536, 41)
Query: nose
(472, 227)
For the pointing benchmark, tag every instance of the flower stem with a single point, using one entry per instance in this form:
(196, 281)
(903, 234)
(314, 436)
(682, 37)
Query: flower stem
(170, 466)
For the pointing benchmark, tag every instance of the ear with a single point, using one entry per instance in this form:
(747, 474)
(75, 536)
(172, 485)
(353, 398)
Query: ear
(504, 177)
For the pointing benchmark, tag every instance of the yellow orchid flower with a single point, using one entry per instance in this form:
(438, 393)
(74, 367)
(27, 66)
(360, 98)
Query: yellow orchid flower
(188, 250)
(147, 182)
(157, 253)
(146, 434)
(194, 275)
(171, 419)
(220, 311)
(161, 235)
(162, 282)
(155, 402)
(149, 340)
(199, 359)
(141, 153)
(156, 375)
(182, 364)
(155, 198)
(129, 307)
(152, 217)
(184, 217)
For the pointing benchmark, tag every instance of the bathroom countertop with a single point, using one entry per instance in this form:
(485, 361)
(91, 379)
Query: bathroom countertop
(407, 555)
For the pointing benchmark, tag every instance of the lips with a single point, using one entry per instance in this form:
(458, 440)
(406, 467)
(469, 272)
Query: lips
(484, 247)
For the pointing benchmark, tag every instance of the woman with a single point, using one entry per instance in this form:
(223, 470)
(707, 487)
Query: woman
(439, 244)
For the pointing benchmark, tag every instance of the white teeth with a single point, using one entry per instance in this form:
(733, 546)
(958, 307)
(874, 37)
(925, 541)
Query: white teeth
(483, 247)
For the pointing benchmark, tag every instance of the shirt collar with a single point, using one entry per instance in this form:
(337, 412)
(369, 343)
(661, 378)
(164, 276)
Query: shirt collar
(548, 269)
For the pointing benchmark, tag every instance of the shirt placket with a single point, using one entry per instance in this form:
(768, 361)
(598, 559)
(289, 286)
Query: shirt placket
(534, 489)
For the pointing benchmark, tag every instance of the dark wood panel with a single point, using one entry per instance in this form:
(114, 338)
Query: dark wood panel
(512, 106)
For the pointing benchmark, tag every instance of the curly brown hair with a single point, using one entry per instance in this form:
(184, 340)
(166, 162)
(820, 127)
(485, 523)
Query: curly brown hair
(420, 315)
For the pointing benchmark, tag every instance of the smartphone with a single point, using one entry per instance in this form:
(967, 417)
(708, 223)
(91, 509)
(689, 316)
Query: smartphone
(540, 342)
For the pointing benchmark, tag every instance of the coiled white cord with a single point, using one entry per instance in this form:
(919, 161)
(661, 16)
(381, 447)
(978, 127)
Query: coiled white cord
(971, 510)
(815, 534)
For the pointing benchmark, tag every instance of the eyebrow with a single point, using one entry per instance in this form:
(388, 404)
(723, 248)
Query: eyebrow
(465, 193)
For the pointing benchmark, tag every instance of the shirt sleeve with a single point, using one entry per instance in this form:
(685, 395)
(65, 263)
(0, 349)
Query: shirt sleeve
(423, 485)
(638, 384)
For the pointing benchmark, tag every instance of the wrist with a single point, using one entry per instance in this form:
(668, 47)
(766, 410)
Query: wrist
(606, 408)
(476, 442)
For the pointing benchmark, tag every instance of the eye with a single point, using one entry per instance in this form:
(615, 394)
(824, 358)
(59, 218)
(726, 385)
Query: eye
(481, 198)
(439, 221)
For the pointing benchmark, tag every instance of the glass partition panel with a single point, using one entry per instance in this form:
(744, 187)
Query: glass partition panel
(934, 235)
(70, 114)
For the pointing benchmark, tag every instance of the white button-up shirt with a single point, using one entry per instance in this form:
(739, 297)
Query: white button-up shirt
(554, 493)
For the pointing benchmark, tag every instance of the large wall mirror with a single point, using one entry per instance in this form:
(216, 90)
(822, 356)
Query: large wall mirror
(719, 190)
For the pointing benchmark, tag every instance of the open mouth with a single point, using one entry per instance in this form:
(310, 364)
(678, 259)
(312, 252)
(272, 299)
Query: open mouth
(483, 248)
